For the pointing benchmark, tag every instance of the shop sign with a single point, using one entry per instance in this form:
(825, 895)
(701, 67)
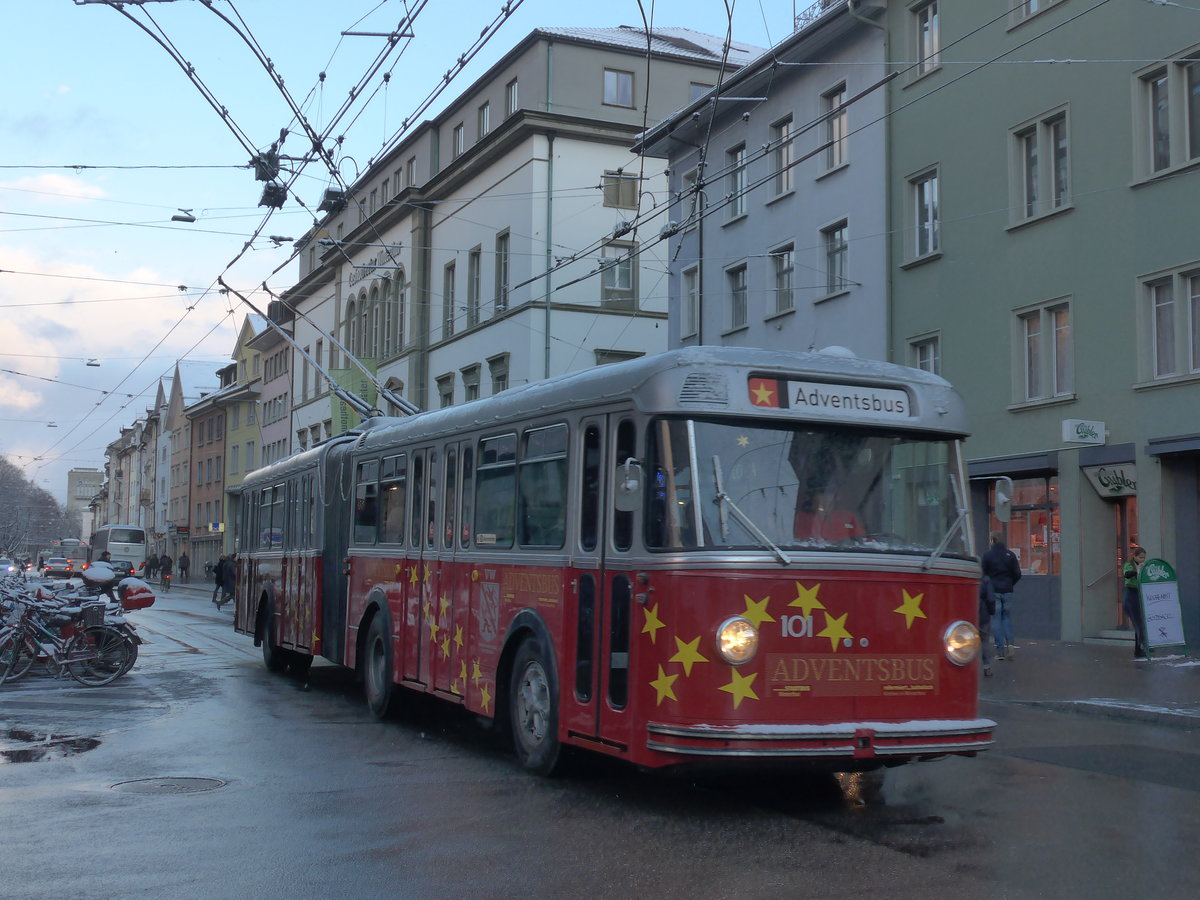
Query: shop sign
(1113, 481)
(1160, 605)
(1083, 431)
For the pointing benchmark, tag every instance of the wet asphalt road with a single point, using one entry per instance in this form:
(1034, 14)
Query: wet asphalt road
(200, 774)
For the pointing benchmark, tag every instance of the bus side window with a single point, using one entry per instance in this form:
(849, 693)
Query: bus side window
(467, 495)
(496, 491)
(623, 521)
(449, 500)
(394, 497)
(418, 485)
(589, 506)
(431, 513)
(264, 519)
(366, 502)
(542, 487)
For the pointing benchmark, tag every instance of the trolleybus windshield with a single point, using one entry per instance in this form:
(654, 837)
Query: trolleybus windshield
(730, 485)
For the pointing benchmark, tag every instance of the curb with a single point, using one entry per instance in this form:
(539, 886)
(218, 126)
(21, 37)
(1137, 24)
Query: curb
(1188, 717)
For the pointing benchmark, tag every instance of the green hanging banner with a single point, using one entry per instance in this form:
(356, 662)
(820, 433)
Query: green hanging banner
(1160, 606)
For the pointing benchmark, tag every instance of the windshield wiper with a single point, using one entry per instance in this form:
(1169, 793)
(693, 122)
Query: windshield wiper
(723, 500)
(959, 522)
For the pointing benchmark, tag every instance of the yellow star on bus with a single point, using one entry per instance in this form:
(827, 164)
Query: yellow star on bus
(476, 674)
(756, 611)
(763, 395)
(458, 642)
(806, 599)
(428, 573)
(485, 698)
(433, 629)
(653, 623)
(462, 672)
(688, 654)
(444, 602)
(910, 608)
(412, 576)
(446, 647)
(741, 687)
(663, 685)
(835, 630)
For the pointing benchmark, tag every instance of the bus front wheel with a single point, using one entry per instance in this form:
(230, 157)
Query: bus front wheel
(533, 708)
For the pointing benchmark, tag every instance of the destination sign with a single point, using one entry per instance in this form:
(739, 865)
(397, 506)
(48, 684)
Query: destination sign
(838, 401)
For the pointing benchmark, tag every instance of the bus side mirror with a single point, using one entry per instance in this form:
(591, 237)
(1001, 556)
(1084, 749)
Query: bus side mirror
(628, 495)
(1004, 495)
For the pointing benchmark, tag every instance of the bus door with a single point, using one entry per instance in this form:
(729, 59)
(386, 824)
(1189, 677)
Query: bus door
(421, 587)
(596, 693)
(452, 608)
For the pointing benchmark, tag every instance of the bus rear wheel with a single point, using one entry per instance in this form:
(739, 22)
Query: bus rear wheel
(533, 708)
(274, 656)
(377, 669)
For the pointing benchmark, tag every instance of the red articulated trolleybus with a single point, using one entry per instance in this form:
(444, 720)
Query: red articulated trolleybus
(712, 554)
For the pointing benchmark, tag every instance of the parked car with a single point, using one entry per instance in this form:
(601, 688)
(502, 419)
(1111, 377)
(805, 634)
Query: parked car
(123, 568)
(57, 567)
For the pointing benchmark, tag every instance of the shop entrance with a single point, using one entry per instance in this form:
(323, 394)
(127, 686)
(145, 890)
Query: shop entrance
(1126, 537)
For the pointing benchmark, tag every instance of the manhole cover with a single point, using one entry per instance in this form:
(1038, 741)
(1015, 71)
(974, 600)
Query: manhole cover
(169, 785)
(18, 746)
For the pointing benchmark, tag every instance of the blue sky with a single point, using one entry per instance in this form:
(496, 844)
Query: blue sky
(93, 266)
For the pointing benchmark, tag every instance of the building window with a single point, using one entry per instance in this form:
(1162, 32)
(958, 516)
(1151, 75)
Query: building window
(1041, 174)
(1047, 365)
(617, 275)
(928, 41)
(502, 271)
(470, 378)
(783, 263)
(923, 191)
(448, 300)
(608, 357)
(690, 320)
(736, 280)
(511, 98)
(445, 388)
(618, 88)
(927, 354)
(836, 127)
(735, 180)
(498, 369)
(474, 279)
(834, 241)
(1173, 310)
(410, 172)
(458, 141)
(1168, 111)
(781, 155)
(696, 90)
(620, 190)
(483, 121)
(1028, 8)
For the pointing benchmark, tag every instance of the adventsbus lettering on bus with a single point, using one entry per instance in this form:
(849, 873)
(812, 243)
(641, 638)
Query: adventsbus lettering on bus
(711, 554)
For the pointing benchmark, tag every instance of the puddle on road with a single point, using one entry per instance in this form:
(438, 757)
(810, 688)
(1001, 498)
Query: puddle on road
(18, 746)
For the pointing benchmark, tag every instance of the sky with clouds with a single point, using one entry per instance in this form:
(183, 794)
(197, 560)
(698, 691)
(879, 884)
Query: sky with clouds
(106, 138)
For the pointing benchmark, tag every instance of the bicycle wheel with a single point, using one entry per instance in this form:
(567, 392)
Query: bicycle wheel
(97, 656)
(15, 657)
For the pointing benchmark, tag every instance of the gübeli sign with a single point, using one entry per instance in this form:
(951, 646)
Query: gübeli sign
(1160, 604)
(1113, 481)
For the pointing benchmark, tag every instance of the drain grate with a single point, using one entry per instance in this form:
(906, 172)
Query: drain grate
(182, 785)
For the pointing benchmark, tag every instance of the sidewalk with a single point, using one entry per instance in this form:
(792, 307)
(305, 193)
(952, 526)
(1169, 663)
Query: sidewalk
(1097, 679)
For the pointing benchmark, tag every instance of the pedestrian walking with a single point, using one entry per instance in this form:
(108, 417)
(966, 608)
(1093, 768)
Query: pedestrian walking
(218, 578)
(228, 580)
(987, 609)
(152, 567)
(184, 565)
(1132, 601)
(1002, 570)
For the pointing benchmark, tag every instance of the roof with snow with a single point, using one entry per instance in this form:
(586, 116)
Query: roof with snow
(680, 42)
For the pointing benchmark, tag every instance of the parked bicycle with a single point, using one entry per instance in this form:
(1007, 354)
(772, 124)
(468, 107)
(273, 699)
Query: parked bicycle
(74, 640)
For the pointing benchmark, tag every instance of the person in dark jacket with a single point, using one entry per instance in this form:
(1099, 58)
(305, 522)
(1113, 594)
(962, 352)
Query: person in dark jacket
(1132, 601)
(218, 577)
(228, 580)
(1001, 568)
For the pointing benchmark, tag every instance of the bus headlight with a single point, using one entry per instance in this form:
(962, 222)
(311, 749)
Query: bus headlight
(962, 643)
(737, 641)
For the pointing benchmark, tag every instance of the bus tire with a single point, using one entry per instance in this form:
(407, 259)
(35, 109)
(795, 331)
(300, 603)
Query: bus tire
(378, 686)
(533, 708)
(274, 656)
